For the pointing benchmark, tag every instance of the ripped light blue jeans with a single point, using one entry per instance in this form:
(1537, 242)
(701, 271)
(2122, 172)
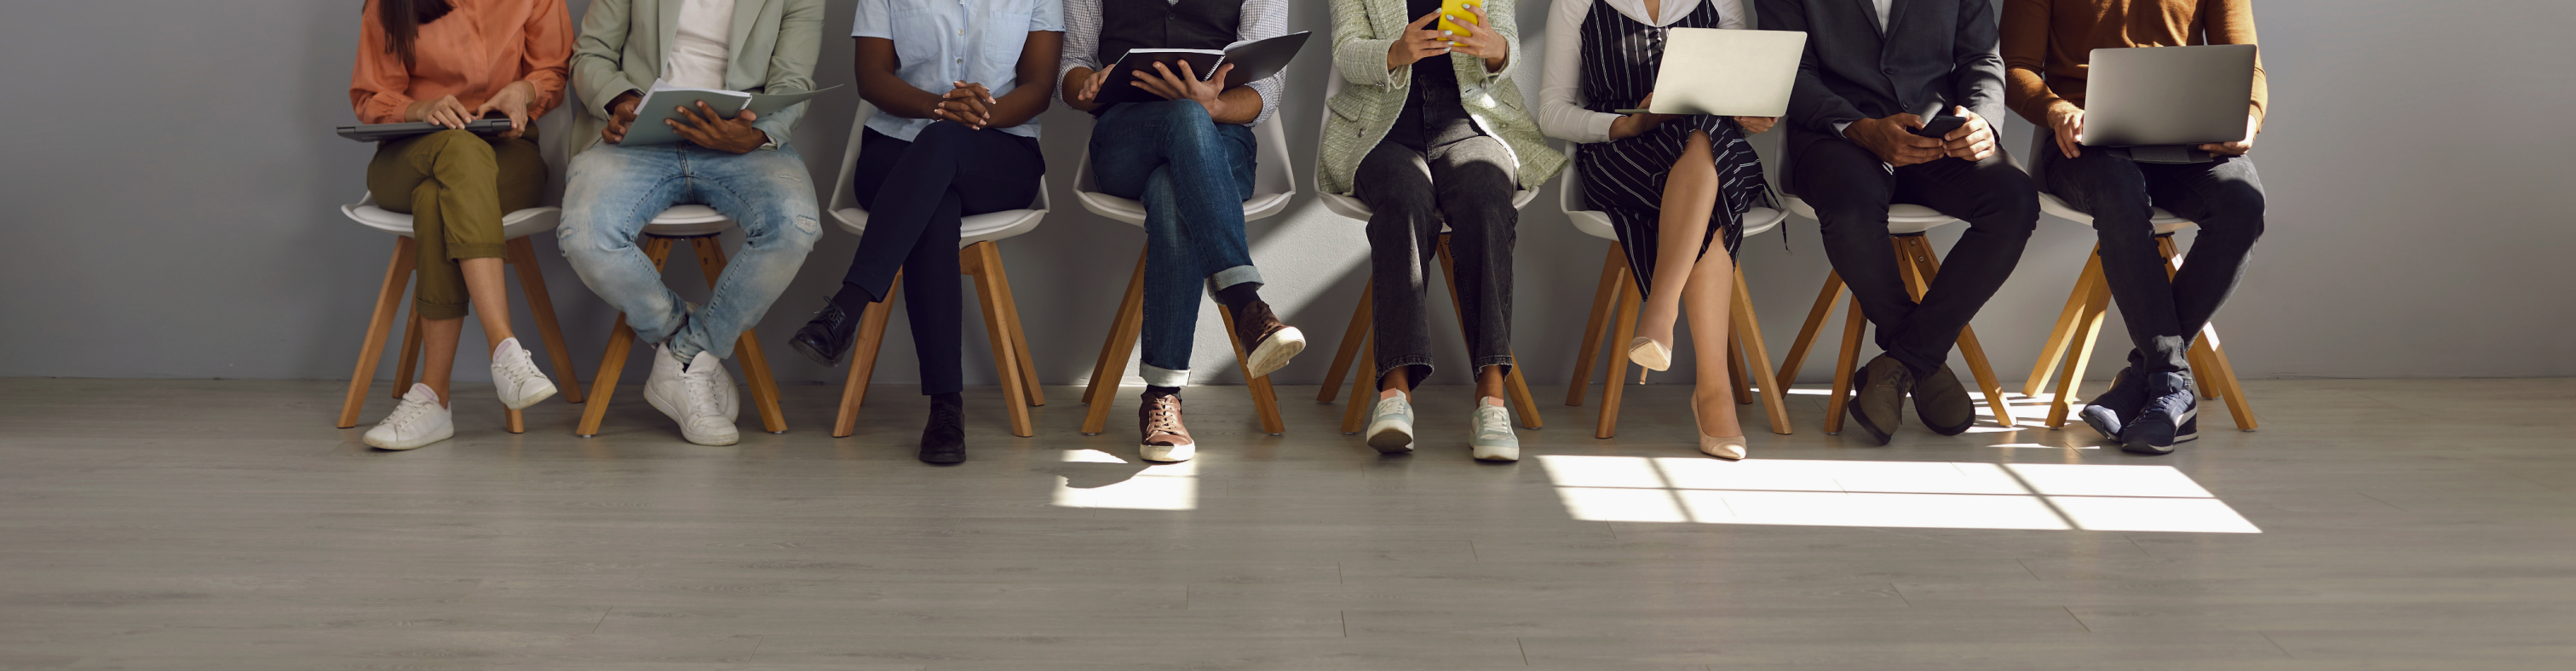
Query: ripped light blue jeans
(611, 192)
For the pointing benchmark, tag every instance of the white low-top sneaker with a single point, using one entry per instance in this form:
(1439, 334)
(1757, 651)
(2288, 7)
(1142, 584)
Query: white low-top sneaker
(1390, 427)
(419, 421)
(516, 378)
(699, 396)
(1490, 433)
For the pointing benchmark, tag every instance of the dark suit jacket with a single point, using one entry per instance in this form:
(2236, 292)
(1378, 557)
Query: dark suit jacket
(1933, 51)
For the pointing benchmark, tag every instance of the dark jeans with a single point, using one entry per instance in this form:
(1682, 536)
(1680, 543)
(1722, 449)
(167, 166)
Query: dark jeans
(1192, 174)
(1851, 190)
(916, 193)
(2163, 315)
(1469, 183)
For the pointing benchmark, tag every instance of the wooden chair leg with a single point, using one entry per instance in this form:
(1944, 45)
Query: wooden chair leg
(372, 352)
(983, 257)
(1735, 368)
(2211, 369)
(2053, 349)
(1265, 401)
(755, 364)
(1524, 404)
(621, 341)
(1110, 350)
(1748, 332)
(532, 284)
(1844, 364)
(1028, 368)
(407, 363)
(863, 359)
(1614, 384)
(1352, 337)
(1926, 267)
(1826, 299)
(1614, 270)
(1363, 388)
(2079, 352)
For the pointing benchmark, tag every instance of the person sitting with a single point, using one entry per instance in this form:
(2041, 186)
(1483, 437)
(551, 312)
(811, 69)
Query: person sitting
(1673, 185)
(447, 62)
(933, 159)
(1869, 76)
(1190, 158)
(1419, 153)
(743, 166)
(2150, 407)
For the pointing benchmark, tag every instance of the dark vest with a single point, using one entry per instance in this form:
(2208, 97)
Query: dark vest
(1157, 24)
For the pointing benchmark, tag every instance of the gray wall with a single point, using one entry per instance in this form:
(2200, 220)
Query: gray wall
(169, 208)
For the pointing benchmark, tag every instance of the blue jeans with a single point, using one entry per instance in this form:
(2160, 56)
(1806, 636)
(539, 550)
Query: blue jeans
(611, 192)
(1192, 174)
(2224, 196)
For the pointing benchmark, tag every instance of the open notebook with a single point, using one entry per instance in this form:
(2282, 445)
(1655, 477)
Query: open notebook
(1252, 61)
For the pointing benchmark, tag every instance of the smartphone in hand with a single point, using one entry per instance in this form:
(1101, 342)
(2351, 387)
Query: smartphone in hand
(1940, 126)
(1457, 8)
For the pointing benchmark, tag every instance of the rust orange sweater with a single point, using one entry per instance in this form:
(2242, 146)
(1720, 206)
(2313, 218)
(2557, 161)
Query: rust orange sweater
(473, 51)
(2047, 44)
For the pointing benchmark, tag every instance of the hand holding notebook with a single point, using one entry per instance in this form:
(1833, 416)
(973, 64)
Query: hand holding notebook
(664, 104)
(1252, 61)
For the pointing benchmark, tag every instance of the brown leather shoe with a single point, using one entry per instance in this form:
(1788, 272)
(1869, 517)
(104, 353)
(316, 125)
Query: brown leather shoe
(1942, 403)
(1165, 439)
(1267, 344)
(1878, 396)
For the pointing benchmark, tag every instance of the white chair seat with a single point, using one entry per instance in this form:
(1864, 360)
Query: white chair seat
(973, 229)
(2165, 222)
(1902, 219)
(514, 225)
(1353, 207)
(686, 221)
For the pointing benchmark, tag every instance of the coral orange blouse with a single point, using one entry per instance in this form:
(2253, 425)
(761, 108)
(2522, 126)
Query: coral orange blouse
(473, 51)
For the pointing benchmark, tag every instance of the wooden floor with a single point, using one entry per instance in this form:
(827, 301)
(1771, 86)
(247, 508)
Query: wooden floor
(225, 525)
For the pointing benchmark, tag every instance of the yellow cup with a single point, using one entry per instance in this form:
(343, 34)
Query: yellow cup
(1457, 8)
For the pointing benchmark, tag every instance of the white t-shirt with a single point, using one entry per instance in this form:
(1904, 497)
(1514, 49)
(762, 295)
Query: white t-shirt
(702, 46)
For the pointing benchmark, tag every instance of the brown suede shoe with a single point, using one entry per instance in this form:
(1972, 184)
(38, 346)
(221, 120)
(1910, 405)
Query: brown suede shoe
(1942, 403)
(1267, 344)
(1878, 396)
(1165, 439)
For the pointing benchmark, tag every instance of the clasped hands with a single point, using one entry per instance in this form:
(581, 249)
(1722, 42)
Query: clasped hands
(1892, 139)
(702, 125)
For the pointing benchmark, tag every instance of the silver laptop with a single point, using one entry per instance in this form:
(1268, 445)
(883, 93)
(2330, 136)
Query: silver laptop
(2158, 102)
(1728, 72)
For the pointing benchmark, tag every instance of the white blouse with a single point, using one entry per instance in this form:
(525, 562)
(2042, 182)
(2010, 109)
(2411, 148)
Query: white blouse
(1560, 93)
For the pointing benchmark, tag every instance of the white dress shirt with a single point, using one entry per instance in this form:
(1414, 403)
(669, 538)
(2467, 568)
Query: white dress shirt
(702, 45)
(1560, 94)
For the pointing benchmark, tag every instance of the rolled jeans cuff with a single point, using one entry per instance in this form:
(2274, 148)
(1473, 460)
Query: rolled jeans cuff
(438, 311)
(1233, 276)
(1164, 377)
(477, 250)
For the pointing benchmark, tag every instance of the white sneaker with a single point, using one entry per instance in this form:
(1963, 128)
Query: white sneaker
(699, 396)
(1490, 433)
(419, 421)
(1390, 427)
(516, 378)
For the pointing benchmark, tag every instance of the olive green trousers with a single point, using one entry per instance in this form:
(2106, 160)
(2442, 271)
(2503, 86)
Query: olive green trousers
(456, 185)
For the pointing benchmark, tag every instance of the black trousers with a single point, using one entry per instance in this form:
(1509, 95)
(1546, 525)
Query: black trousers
(916, 193)
(2163, 315)
(1851, 190)
(1469, 183)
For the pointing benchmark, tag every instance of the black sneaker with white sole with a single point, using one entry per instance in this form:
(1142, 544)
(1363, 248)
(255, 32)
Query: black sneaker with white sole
(2170, 417)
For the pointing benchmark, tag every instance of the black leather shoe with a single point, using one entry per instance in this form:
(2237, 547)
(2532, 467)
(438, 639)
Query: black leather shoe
(827, 336)
(944, 440)
(1878, 396)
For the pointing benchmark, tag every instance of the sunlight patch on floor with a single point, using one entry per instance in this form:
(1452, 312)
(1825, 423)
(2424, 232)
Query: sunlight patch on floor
(1154, 487)
(1954, 495)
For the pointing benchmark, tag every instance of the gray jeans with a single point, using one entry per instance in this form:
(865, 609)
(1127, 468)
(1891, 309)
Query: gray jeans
(1468, 183)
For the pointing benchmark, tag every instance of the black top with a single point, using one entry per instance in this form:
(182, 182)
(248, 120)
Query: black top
(1158, 24)
(1432, 114)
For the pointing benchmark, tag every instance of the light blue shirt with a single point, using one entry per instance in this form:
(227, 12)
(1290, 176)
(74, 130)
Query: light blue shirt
(939, 42)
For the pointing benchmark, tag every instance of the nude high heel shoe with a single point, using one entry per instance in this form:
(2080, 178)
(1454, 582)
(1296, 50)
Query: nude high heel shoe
(1723, 447)
(1649, 355)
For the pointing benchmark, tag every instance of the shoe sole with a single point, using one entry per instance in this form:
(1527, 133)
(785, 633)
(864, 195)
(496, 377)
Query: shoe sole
(1390, 437)
(1167, 453)
(415, 443)
(1851, 406)
(531, 399)
(2145, 442)
(943, 459)
(801, 347)
(1497, 452)
(2102, 420)
(1273, 354)
(668, 410)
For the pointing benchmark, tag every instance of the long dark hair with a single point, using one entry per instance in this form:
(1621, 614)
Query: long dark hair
(402, 20)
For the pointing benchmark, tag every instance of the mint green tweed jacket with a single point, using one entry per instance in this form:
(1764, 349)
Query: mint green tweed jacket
(1372, 95)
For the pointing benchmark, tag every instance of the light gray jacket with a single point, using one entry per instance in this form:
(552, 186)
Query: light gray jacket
(1363, 30)
(623, 42)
